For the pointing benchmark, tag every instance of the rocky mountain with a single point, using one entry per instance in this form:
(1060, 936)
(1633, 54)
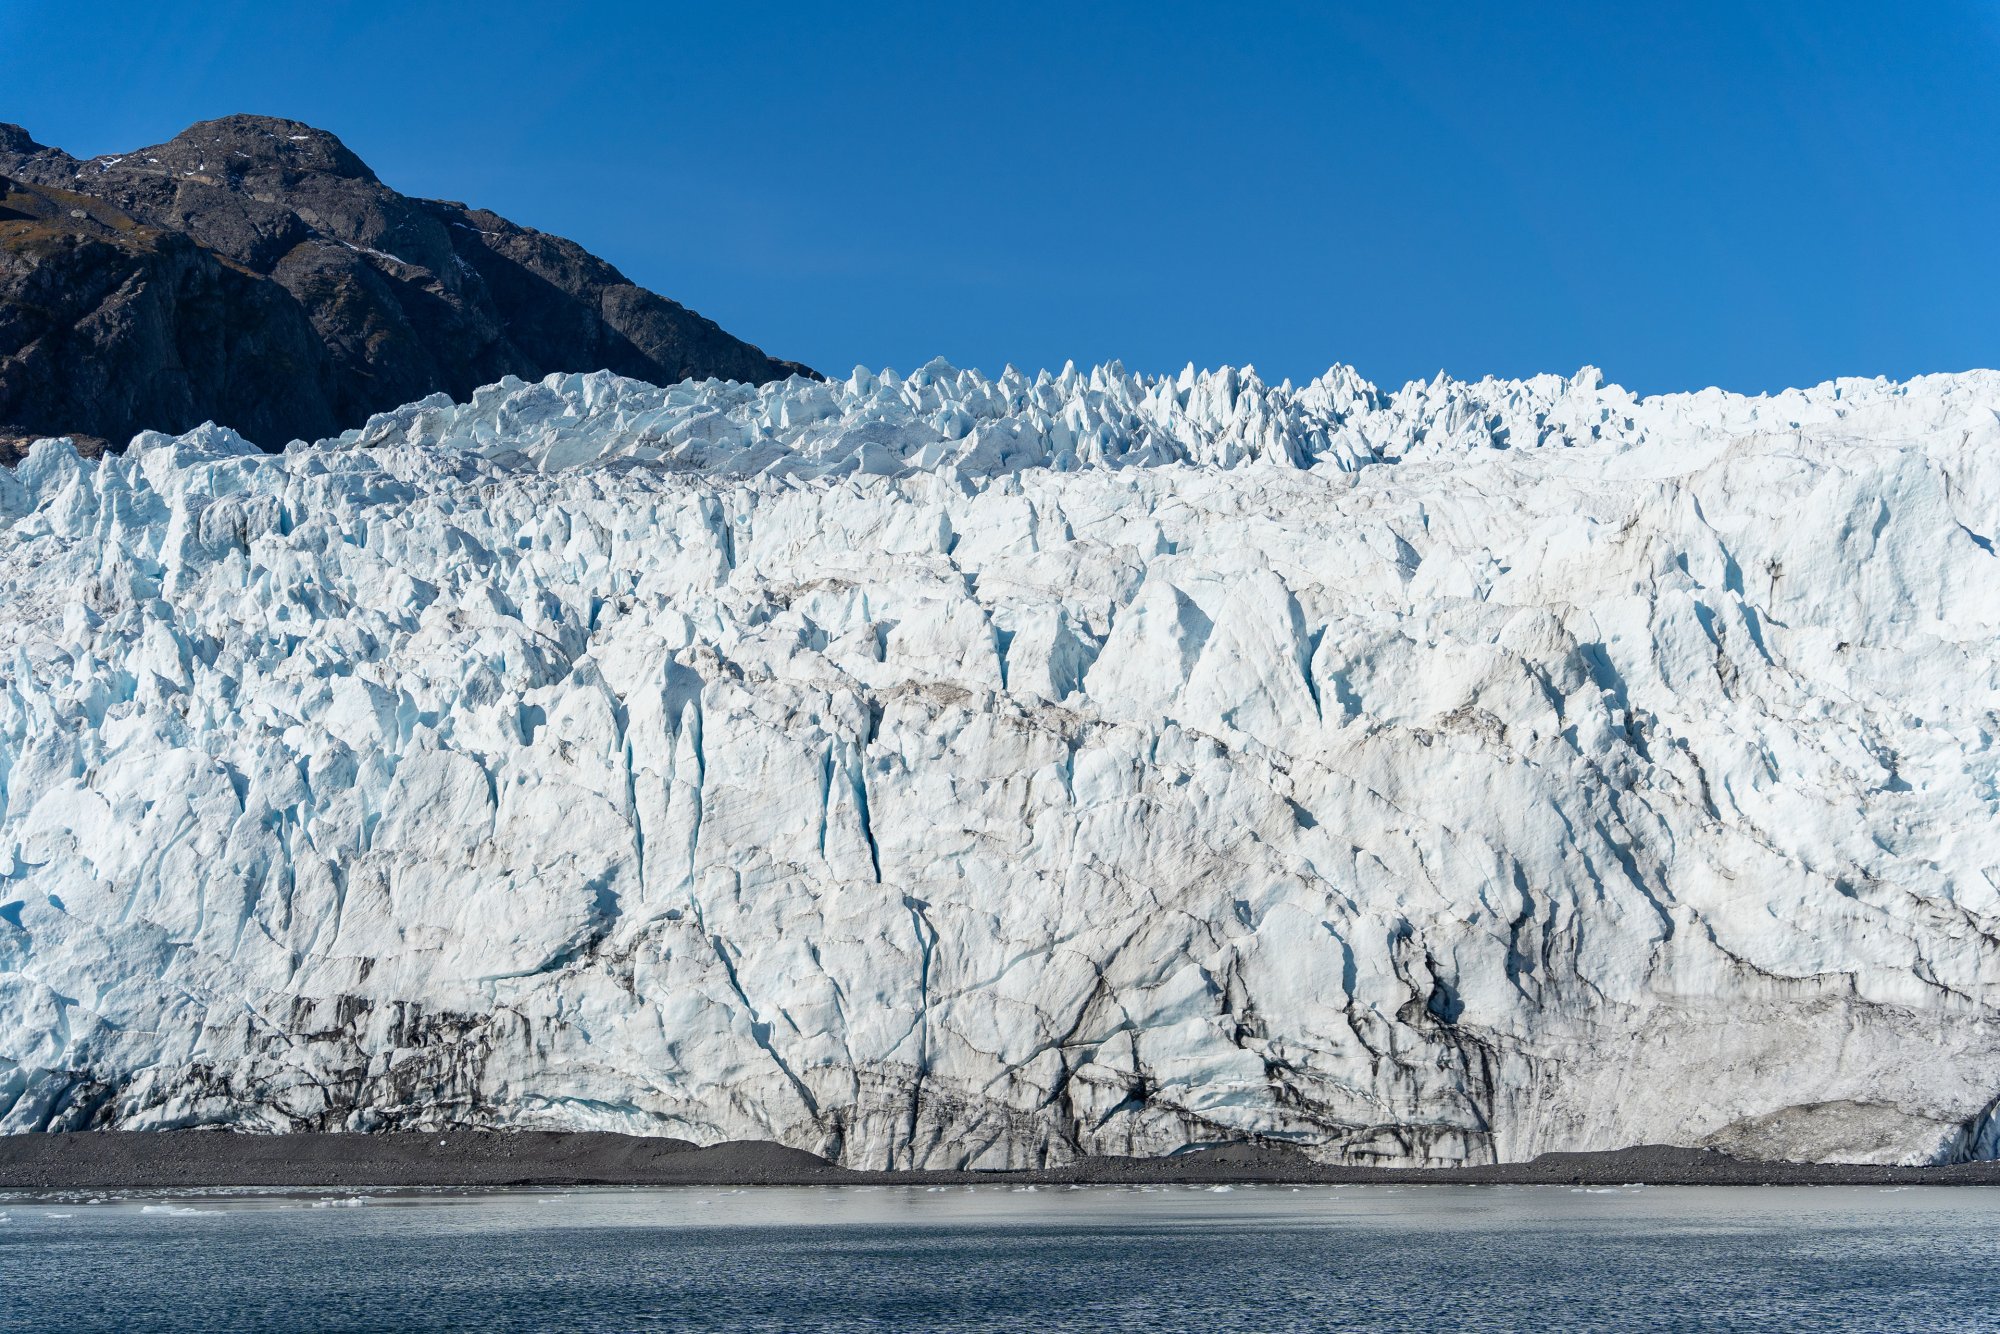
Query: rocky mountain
(936, 770)
(254, 272)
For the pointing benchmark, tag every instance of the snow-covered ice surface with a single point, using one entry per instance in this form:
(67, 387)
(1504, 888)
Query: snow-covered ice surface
(941, 771)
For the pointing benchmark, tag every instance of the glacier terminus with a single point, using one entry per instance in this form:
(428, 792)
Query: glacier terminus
(941, 770)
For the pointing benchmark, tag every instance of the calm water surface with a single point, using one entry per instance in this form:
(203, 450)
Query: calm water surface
(995, 1258)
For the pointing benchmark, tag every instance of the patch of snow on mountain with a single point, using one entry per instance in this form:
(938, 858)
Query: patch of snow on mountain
(942, 770)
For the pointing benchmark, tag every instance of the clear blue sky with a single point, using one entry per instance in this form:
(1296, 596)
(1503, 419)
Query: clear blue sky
(1746, 194)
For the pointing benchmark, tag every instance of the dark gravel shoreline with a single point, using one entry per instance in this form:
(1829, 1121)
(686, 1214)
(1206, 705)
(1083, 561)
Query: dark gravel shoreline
(472, 1158)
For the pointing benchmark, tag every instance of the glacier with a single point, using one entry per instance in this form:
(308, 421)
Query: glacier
(942, 770)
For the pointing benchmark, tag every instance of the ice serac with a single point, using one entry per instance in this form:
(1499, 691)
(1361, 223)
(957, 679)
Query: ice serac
(947, 770)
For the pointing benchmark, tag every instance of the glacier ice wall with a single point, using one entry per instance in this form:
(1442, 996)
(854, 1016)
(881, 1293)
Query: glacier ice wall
(942, 770)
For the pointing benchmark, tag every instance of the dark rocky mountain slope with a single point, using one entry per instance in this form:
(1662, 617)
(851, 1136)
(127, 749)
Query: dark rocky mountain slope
(255, 272)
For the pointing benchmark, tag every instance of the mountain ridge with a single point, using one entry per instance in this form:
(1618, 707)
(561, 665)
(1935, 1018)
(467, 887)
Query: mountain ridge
(255, 272)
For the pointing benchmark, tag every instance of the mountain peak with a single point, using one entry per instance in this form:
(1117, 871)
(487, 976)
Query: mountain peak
(283, 290)
(14, 139)
(235, 144)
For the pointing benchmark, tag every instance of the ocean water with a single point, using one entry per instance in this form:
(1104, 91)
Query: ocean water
(997, 1258)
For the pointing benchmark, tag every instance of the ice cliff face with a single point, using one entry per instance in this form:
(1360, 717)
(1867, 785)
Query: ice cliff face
(939, 770)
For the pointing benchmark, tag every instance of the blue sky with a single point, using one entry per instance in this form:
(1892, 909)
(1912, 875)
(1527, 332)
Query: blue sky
(1744, 194)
